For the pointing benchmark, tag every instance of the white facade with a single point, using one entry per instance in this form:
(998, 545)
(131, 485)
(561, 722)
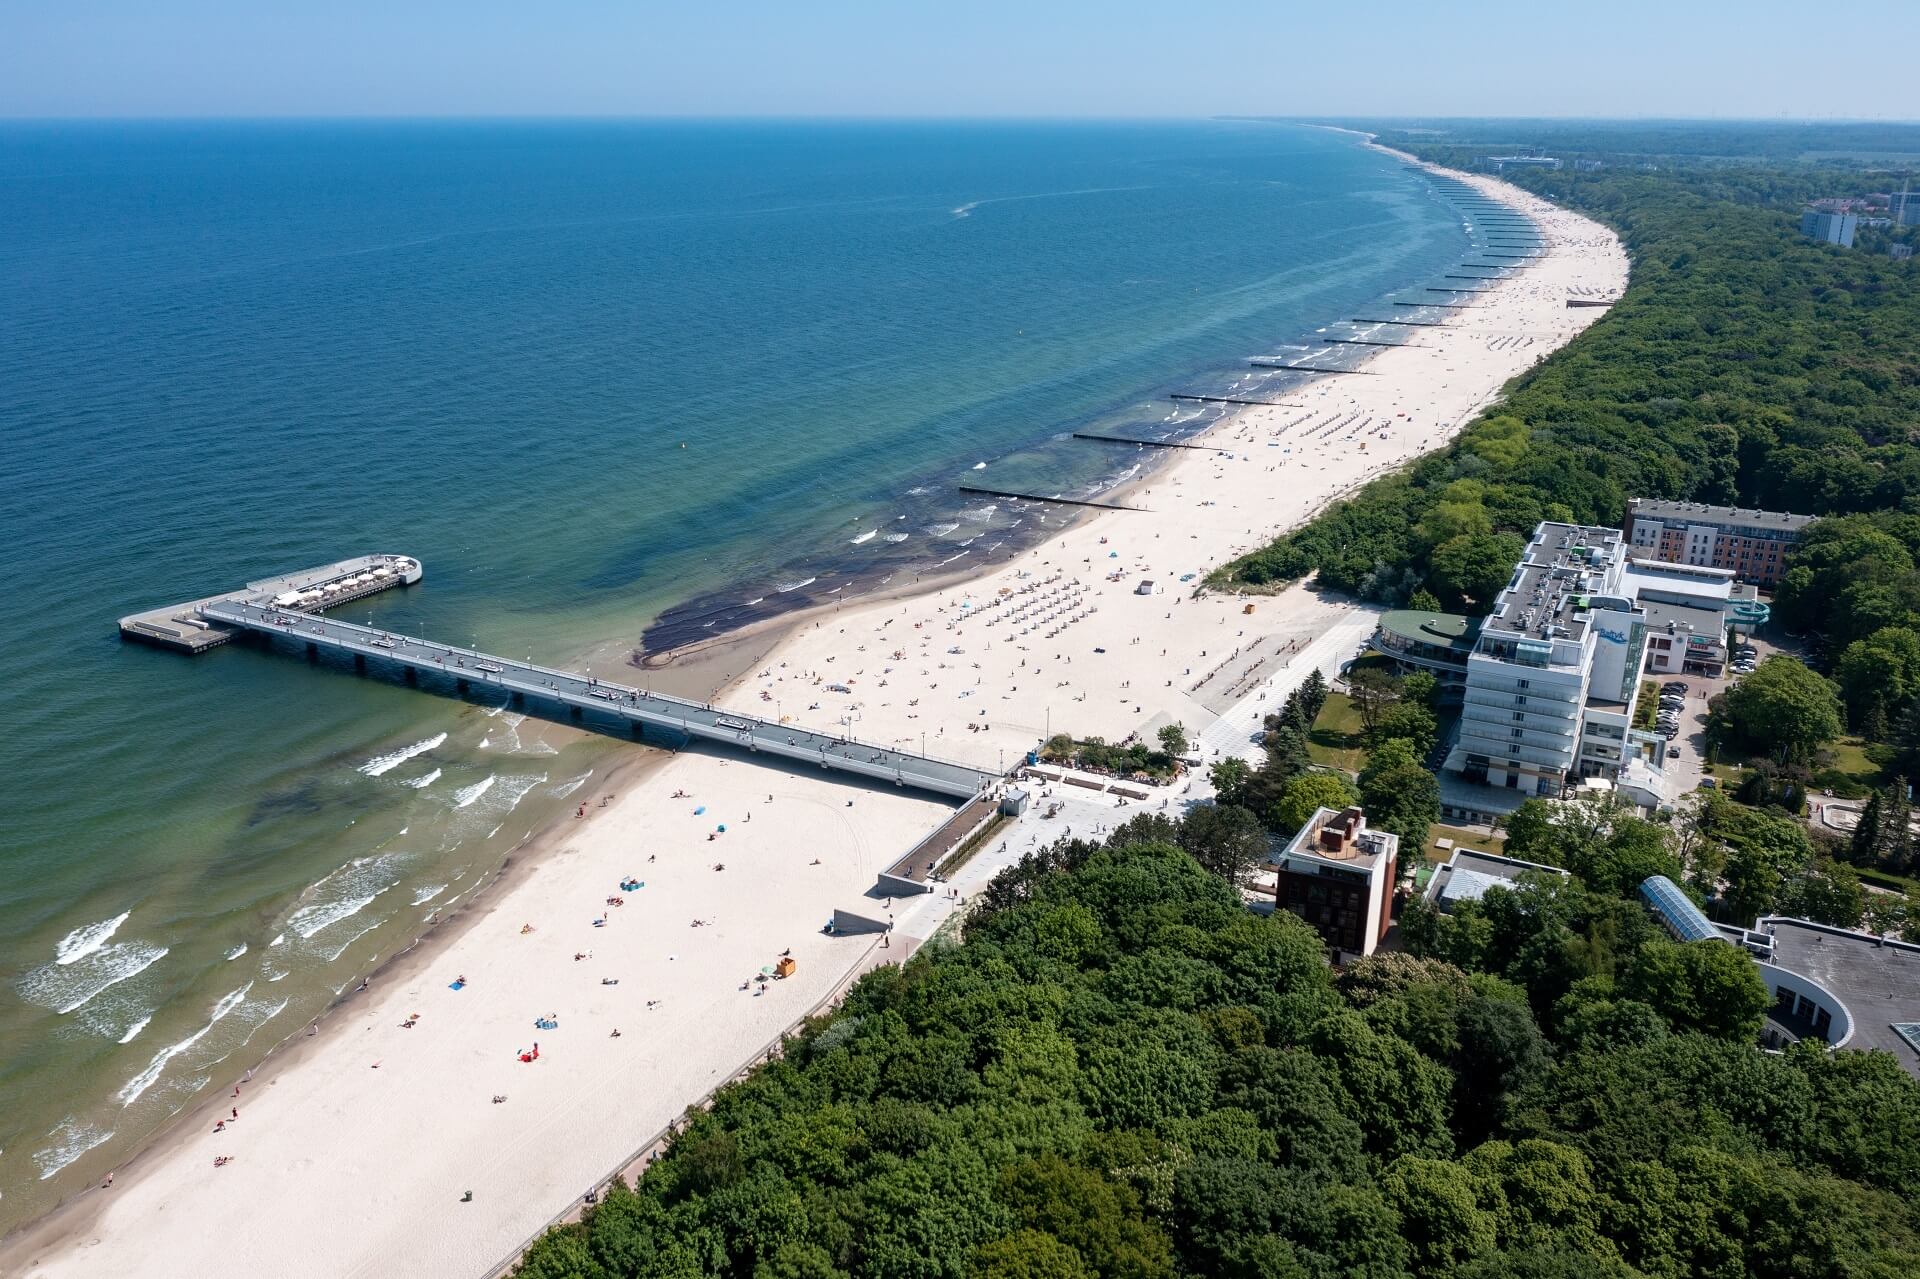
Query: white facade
(1553, 678)
(1832, 228)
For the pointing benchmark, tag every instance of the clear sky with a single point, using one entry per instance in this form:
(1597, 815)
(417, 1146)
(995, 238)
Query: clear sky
(1757, 58)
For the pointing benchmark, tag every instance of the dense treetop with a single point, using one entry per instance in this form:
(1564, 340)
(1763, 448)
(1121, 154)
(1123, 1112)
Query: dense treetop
(1124, 1073)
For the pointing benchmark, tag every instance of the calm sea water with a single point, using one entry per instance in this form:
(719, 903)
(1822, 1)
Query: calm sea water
(585, 372)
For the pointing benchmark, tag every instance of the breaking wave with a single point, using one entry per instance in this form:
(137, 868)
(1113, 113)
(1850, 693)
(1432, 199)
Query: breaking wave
(380, 764)
(81, 942)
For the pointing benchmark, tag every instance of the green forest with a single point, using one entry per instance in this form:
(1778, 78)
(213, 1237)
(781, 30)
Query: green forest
(1124, 1073)
(1744, 365)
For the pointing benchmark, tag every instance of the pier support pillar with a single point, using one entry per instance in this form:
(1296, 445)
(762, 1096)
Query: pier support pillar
(519, 698)
(313, 651)
(639, 731)
(359, 661)
(412, 675)
(460, 687)
(574, 711)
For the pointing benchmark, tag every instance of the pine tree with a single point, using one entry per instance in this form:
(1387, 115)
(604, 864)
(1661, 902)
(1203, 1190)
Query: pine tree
(1894, 847)
(1313, 694)
(1866, 836)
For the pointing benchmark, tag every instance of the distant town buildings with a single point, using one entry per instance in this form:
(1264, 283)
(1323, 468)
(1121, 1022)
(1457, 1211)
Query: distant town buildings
(1831, 228)
(1753, 545)
(1904, 208)
(1501, 163)
(1339, 876)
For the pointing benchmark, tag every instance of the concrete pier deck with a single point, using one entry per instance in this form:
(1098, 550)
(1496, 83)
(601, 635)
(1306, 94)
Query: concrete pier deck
(461, 670)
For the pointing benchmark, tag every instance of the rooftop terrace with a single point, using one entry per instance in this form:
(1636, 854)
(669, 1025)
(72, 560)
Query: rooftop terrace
(1563, 568)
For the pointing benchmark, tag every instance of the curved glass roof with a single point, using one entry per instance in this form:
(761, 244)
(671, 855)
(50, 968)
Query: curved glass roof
(1681, 916)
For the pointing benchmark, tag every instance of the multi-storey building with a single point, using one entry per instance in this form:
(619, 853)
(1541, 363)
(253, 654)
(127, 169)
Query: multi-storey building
(1339, 876)
(1753, 545)
(1831, 228)
(1904, 206)
(1551, 683)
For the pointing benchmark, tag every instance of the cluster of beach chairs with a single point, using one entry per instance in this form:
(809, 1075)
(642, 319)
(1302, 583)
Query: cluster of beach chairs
(1058, 599)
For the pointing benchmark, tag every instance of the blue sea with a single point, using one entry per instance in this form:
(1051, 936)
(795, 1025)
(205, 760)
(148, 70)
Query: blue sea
(607, 381)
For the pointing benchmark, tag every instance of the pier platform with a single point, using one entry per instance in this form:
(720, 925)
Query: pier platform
(186, 628)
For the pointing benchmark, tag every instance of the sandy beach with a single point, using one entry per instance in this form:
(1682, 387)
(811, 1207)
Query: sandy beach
(353, 1146)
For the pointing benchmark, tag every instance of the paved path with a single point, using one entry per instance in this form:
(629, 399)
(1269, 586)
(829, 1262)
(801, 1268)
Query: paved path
(1236, 730)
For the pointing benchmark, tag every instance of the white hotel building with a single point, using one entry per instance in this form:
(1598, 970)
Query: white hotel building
(1552, 680)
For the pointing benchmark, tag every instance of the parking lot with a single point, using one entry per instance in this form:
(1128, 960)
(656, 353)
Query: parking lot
(1686, 767)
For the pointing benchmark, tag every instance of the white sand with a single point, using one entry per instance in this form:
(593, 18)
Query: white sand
(351, 1152)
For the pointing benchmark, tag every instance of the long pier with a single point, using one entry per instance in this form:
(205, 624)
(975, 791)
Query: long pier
(464, 670)
(978, 491)
(1409, 324)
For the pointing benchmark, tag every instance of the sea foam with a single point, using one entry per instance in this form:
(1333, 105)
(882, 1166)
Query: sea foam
(380, 764)
(130, 1093)
(67, 988)
(71, 1139)
(82, 942)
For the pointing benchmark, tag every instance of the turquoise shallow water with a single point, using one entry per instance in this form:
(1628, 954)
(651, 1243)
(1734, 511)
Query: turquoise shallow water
(233, 349)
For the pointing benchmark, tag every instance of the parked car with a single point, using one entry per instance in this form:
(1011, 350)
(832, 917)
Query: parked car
(1675, 687)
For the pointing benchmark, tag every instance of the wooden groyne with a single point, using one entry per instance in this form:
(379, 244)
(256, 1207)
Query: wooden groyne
(1229, 399)
(1152, 444)
(978, 491)
(1301, 368)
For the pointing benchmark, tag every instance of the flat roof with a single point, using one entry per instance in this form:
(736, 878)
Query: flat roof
(1701, 513)
(1376, 846)
(1878, 981)
(1442, 630)
(1469, 873)
(1563, 565)
(1709, 622)
(1697, 581)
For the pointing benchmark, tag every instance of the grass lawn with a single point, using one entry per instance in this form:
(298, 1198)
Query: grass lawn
(1462, 839)
(1337, 739)
(1850, 760)
(1856, 774)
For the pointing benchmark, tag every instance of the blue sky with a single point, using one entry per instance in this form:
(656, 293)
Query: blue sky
(958, 58)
